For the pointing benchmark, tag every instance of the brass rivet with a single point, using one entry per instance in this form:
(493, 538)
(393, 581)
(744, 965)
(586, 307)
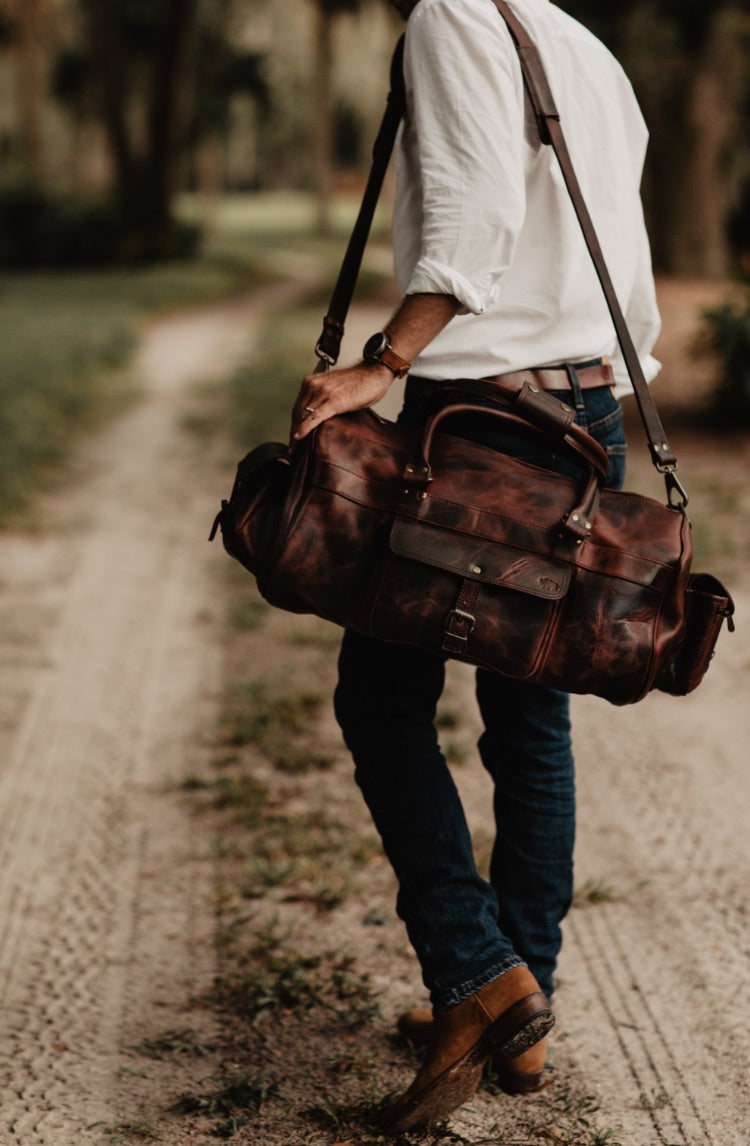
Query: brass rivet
(574, 517)
(422, 495)
(476, 568)
(410, 469)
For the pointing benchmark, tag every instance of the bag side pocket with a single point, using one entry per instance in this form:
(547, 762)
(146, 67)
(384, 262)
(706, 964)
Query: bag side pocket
(707, 606)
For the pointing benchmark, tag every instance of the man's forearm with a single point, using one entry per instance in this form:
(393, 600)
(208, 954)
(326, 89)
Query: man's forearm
(419, 319)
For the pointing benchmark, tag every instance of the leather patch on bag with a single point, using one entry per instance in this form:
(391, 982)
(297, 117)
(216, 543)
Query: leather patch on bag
(473, 558)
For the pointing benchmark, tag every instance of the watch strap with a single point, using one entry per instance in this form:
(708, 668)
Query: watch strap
(395, 363)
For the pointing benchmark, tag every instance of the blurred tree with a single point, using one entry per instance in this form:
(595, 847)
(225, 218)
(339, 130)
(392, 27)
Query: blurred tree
(140, 53)
(29, 29)
(688, 60)
(326, 12)
(221, 72)
(161, 77)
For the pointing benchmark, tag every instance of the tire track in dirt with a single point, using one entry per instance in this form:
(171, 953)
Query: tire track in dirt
(105, 901)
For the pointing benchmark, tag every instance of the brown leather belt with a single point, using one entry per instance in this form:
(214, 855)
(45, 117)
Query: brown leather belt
(548, 378)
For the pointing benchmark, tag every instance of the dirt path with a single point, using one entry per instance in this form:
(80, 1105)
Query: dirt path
(111, 664)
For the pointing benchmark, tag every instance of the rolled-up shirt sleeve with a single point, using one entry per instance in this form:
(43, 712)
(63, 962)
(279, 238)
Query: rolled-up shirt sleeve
(470, 156)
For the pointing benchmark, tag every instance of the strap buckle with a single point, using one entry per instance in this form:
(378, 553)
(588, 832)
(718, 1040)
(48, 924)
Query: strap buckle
(455, 641)
(328, 345)
(676, 493)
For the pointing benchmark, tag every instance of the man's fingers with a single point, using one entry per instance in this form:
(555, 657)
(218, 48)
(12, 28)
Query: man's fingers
(309, 411)
(323, 396)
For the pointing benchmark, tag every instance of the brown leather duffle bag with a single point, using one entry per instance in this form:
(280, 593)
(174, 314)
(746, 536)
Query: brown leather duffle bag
(440, 543)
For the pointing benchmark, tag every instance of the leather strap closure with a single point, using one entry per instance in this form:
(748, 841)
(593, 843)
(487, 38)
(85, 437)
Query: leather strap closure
(460, 621)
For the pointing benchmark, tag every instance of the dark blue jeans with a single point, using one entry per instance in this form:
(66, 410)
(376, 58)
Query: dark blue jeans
(465, 930)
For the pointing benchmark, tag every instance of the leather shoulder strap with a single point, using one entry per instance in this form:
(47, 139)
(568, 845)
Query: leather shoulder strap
(550, 131)
(329, 343)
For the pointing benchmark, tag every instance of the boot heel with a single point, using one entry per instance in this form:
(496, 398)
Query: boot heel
(522, 1025)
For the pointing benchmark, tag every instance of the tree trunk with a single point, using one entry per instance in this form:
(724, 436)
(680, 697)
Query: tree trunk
(145, 174)
(34, 24)
(698, 241)
(167, 106)
(322, 134)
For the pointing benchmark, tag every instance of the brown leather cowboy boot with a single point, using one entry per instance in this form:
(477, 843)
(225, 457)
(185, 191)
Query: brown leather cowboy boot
(510, 1015)
(521, 1075)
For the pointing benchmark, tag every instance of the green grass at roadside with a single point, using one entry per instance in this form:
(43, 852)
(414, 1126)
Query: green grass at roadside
(61, 338)
(283, 223)
(63, 335)
(261, 392)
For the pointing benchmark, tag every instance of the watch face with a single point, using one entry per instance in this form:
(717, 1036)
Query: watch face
(374, 347)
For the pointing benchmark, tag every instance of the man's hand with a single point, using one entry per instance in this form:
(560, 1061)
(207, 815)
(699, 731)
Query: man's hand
(418, 319)
(323, 395)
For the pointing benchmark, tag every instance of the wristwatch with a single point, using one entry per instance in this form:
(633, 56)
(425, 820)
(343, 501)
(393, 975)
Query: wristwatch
(378, 349)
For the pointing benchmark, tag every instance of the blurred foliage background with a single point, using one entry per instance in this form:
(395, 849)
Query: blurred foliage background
(110, 107)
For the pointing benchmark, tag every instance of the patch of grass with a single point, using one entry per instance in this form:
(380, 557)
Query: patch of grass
(715, 507)
(571, 1118)
(656, 1100)
(262, 392)
(278, 718)
(232, 1101)
(595, 891)
(172, 1043)
(245, 795)
(457, 751)
(278, 973)
(315, 834)
(61, 338)
(248, 614)
(352, 1062)
(286, 983)
(140, 1130)
(350, 1123)
(311, 857)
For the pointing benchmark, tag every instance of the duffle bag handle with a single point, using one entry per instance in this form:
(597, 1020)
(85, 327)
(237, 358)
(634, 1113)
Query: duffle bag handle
(578, 522)
(537, 410)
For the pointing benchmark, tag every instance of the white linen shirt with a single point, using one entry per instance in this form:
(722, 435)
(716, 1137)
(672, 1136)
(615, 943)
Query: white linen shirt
(481, 210)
